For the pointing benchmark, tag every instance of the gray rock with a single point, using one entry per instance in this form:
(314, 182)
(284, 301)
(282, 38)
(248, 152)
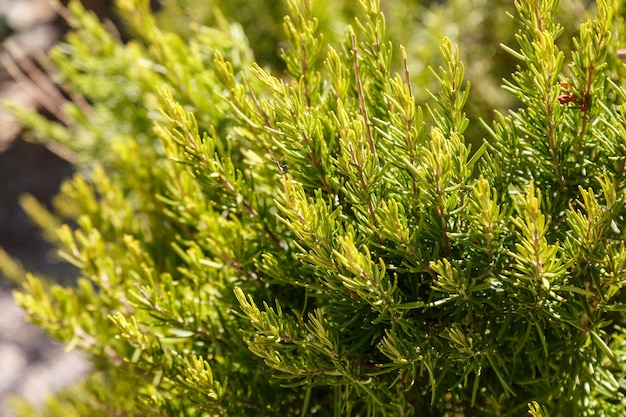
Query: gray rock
(31, 365)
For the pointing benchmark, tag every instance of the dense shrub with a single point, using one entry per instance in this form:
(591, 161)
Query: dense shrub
(320, 240)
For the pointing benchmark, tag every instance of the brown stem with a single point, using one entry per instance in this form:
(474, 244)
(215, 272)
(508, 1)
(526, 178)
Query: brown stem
(359, 90)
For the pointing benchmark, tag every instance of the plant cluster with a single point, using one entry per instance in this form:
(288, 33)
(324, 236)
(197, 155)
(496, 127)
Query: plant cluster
(317, 242)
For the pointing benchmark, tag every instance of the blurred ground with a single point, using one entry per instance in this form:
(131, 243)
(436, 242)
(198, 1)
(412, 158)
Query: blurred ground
(30, 364)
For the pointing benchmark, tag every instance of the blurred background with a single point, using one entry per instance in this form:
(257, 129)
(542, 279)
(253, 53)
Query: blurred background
(31, 365)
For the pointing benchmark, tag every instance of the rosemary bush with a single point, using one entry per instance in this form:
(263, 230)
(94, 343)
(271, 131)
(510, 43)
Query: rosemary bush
(321, 242)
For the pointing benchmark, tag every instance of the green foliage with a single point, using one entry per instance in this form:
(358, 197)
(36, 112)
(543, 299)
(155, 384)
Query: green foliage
(318, 242)
(477, 26)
